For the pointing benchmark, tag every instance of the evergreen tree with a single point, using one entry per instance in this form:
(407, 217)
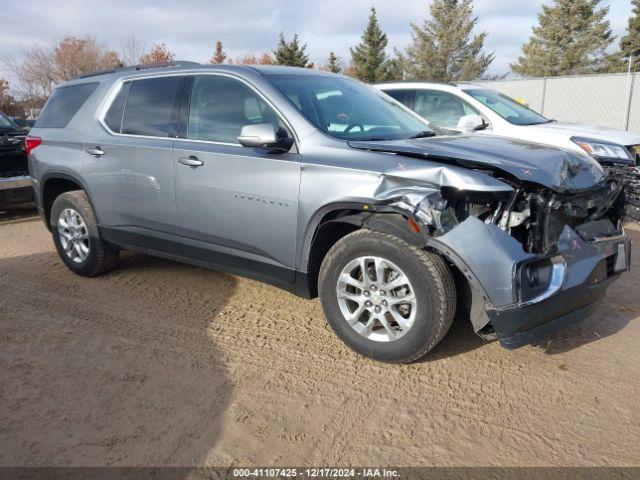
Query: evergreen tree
(444, 48)
(369, 58)
(334, 63)
(219, 56)
(571, 39)
(291, 53)
(630, 43)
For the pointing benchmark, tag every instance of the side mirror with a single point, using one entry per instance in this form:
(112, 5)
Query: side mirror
(265, 135)
(469, 123)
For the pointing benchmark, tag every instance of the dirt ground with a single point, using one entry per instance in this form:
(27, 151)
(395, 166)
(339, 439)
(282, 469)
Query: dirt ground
(159, 363)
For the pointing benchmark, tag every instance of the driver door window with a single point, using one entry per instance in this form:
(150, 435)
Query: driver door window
(441, 108)
(221, 106)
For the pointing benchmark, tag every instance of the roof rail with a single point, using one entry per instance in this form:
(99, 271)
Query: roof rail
(177, 63)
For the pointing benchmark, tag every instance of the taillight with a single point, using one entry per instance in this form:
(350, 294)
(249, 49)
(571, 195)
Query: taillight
(31, 143)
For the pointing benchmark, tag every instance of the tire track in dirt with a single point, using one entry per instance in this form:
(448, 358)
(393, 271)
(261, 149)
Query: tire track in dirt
(289, 392)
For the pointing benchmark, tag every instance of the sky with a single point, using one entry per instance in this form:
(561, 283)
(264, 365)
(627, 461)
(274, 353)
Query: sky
(190, 28)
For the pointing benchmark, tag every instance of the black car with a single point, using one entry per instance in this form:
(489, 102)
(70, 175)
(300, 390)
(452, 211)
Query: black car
(25, 124)
(15, 182)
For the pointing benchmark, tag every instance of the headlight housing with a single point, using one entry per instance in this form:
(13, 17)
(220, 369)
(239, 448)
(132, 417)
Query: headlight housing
(604, 151)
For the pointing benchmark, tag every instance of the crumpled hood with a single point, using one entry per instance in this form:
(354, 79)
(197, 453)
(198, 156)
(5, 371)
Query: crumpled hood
(531, 162)
(595, 132)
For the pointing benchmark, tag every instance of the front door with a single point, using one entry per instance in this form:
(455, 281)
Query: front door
(237, 206)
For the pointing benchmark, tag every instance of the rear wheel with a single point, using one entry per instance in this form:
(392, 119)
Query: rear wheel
(77, 238)
(385, 298)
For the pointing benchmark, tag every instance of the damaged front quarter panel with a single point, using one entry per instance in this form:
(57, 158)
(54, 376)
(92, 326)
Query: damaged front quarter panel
(508, 245)
(425, 203)
(490, 260)
(488, 257)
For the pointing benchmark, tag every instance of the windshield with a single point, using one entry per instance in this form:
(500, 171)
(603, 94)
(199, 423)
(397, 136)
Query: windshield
(5, 122)
(512, 111)
(350, 110)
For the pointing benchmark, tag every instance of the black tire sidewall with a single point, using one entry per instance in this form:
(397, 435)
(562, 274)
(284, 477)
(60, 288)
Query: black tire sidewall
(87, 266)
(426, 325)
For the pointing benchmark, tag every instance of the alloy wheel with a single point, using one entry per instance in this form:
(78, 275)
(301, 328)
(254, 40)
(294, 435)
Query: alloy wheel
(73, 234)
(376, 298)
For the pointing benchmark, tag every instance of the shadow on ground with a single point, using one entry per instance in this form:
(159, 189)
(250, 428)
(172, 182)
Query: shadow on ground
(620, 305)
(608, 320)
(459, 340)
(18, 214)
(115, 370)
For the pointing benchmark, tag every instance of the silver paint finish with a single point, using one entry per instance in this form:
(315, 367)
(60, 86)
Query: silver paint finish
(240, 197)
(376, 298)
(73, 235)
(132, 184)
(267, 206)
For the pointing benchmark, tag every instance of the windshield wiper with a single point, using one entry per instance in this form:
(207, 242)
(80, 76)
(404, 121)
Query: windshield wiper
(424, 134)
(369, 139)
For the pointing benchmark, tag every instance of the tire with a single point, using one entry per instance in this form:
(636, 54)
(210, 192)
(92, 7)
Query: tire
(427, 275)
(95, 256)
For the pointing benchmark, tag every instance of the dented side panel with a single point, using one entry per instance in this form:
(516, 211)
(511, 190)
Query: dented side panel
(400, 181)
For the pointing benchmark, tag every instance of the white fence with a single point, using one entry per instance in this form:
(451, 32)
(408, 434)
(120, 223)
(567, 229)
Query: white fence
(611, 100)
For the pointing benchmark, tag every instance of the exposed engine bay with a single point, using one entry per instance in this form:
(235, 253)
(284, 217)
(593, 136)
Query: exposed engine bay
(631, 176)
(535, 216)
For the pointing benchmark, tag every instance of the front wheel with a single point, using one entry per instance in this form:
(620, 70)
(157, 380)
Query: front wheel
(384, 298)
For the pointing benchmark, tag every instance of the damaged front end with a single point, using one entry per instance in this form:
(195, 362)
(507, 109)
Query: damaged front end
(536, 259)
(630, 175)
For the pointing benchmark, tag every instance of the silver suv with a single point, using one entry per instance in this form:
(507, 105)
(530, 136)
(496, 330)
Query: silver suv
(324, 186)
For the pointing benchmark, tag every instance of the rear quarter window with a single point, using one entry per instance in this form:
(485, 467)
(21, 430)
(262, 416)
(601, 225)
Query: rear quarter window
(63, 104)
(113, 118)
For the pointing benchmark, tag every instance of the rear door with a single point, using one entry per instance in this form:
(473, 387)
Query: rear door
(442, 108)
(237, 206)
(129, 163)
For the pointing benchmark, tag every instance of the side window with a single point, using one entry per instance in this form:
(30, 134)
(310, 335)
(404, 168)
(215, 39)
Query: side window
(113, 118)
(403, 96)
(64, 104)
(441, 108)
(220, 106)
(151, 107)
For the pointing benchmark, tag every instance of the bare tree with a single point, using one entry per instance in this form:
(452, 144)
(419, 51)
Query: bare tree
(8, 103)
(131, 51)
(158, 54)
(40, 68)
(252, 59)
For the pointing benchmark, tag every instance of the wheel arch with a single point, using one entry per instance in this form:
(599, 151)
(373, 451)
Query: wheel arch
(333, 222)
(54, 184)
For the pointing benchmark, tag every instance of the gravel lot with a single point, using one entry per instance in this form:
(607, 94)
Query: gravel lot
(159, 363)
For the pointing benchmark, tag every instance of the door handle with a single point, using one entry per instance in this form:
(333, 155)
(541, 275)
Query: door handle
(95, 151)
(191, 161)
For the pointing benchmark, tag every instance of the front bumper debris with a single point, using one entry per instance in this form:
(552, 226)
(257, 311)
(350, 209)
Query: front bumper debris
(580, 273)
